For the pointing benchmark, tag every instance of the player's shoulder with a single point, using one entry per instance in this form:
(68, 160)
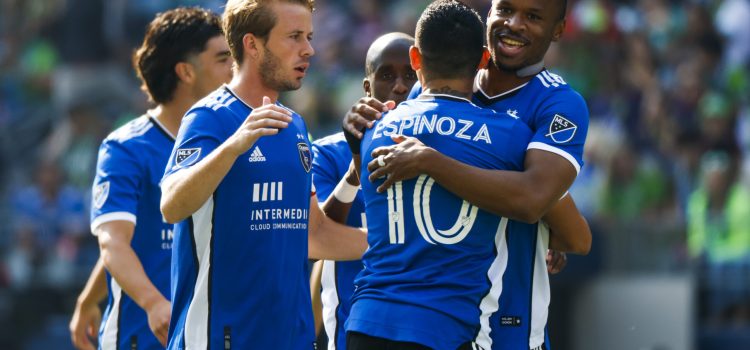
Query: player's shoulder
(220, 99)
(550, 85)
(334, 144)
(131, 131)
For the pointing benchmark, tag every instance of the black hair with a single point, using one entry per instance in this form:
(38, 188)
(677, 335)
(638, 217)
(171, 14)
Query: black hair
(172, 37)
(450, 37)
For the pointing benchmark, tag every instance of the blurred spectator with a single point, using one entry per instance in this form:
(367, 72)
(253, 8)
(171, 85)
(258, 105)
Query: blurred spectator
(48, 221)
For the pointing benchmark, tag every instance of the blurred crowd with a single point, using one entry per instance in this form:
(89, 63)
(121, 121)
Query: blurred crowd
(665, 186)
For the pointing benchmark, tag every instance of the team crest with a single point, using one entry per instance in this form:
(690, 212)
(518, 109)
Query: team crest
(561, 130)
(101, 192)
(186, 157)
(305, 156)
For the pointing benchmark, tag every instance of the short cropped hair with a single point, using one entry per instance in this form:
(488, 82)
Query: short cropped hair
(171, 38)
(450, 37)
(251, 16)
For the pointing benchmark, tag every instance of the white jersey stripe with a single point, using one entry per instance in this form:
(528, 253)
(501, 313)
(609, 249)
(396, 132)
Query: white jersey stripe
(330, 299)
(109, 336)
(491, 302)
(545, 147)
(113, 216)
(550, 79)
(196, 323)
(540, 291)
(541, 79)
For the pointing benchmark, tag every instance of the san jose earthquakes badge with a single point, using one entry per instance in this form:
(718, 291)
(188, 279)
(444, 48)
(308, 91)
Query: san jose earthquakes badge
(305, 156)
(186, 157)
(101, 192)
(561, 130)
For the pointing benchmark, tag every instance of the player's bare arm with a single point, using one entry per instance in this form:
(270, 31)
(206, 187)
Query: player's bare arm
(525, 196)
(84, 325)
(569, 231)
(185, 191)
(123, 264)
(338, 204)
(331, 240)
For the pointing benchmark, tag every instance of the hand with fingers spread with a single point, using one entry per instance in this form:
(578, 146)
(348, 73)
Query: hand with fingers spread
(399, 162)
(159, 314)
(84, 326)
(263, 121)
(361, 116)
(556, 261)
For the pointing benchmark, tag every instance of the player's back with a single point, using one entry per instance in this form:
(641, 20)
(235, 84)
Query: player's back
(130, 166)
(433, 272)
(239, 269)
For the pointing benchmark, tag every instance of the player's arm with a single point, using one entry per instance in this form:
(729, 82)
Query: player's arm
(520, 195)
(317, 301)
(186, 190)
(125, 267)
(569, 231)
(338, 204)
(84, 325)
(331, 240)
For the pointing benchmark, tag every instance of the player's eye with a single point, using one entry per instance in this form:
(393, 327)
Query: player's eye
(533, 17)
(411, 76)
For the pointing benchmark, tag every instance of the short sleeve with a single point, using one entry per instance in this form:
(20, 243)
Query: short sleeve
(200, 134)
(118, 178)
(561, 126)
(324, 171)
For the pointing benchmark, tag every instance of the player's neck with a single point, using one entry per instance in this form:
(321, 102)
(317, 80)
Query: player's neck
(247, 85)
(454, 87)
(495, 81)
(170, 114)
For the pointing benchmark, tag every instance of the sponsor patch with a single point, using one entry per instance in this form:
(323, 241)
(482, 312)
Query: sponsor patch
(510, 321)
(561, 130)
(305, 156)
(186, 157)
(101, 192)
(257, 156)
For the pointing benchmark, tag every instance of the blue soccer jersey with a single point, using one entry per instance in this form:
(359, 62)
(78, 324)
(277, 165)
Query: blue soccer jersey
(330, 163)
(239, 263)
(559, 119)
(130, 166)
(433, 273)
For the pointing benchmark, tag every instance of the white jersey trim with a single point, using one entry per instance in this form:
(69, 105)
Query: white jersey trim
(478, 88)
(330, 298)
(109, 217)
(491, 302)
(545, 147)
(196, 322)
(540, 290)
(109, 335)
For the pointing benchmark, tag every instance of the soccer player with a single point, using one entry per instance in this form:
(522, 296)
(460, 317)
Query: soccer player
(183, 57)
(425, 278)
(515, 83)
(238, 184)
(389, 76)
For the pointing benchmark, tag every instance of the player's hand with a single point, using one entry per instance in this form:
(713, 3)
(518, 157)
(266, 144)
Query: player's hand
(158, 319)
(262, 121)
(84, 325)
(363, 115)
(556, 261)
(399, 162)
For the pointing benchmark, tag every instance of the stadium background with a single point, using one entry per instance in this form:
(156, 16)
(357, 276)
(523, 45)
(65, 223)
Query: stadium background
(667, 84)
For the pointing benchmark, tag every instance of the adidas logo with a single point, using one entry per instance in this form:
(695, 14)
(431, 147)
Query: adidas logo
(257, 156)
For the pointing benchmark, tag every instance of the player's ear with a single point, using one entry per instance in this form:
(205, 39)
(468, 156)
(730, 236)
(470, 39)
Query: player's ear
(558, 31)
(367, 87)
(251, 44)
(185, 71)
(415, 58)
(485, 58)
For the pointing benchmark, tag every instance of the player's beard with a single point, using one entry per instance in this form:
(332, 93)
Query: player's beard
(272, 76)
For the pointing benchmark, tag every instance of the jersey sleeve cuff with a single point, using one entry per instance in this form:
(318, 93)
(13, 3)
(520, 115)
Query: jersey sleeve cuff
(555, 150)
(108, 217)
